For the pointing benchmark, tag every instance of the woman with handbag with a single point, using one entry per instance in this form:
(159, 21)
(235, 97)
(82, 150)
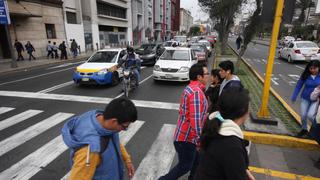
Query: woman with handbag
(315, 128)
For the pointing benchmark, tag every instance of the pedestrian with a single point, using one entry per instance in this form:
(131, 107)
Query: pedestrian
(63, 49)
(212, 92)
(308, 81)
(229, 79)
(223, 152)
(19, 49)
(192, 115)
(74, 48)
(93, 138)
(30, 49)
(315, 128)
(238, 42)
(55, 50)
(49, 49)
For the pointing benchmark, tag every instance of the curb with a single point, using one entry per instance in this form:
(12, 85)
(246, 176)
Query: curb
(281, 140)
(282, 101)
(42, 65)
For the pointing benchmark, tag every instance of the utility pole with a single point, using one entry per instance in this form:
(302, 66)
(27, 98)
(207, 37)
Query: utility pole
(264, 114)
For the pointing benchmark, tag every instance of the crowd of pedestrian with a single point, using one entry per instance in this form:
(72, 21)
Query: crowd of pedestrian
(51, 49)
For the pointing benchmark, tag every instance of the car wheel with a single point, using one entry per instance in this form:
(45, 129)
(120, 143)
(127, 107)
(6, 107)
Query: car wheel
(289, 59)
(115, 79)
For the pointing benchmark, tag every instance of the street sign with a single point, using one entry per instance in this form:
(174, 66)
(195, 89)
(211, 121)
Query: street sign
(4, 12)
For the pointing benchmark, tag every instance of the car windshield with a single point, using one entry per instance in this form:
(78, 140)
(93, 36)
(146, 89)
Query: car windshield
(179, 55)
(148, 46)
(306, 45)
(168, 43)
(197, 48)
(180, 38)
(104, 57)
(205, 43)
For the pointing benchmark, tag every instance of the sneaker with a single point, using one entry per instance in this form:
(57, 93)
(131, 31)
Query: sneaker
(302, 133)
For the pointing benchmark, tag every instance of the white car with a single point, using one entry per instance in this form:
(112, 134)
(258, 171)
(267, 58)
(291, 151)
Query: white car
(300, 51)
(174, 64)
(100, 68)
(207, 44)
(286, 40)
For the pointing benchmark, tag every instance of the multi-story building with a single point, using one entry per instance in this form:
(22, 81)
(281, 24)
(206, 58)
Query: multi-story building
(148, 20)
(37, 21)
(186, 20)
(138, 13)
(162, 19)
(74, 24)
(175, 17)
(107, 22)
(167, 22)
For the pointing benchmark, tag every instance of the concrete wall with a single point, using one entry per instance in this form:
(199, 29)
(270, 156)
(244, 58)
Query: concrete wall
(33, 29)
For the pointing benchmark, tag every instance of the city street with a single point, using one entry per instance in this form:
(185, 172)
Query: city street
(285, 75)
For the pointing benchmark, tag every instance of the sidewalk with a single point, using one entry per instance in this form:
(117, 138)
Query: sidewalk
(5, 65)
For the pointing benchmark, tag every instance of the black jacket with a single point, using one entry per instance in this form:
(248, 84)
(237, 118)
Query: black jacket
(225, 158)
(213, 94)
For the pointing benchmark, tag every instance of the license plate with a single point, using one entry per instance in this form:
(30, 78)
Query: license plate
(308, 57)
(168, 76)
(85, 79)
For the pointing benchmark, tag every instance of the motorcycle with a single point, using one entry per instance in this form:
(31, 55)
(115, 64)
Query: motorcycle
(129, 80)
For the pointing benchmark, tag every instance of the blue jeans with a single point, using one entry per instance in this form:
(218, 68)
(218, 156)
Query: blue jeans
(188, 161)
(308, 111)
(75, 53)
(137, 75)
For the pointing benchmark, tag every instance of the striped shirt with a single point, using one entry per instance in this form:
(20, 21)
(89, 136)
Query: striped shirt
(192, 113)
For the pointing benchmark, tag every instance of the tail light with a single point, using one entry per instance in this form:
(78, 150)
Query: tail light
(297, 51)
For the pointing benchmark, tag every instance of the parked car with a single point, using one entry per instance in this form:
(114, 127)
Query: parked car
(286, 40)
(174, 64)
(100, 68)
(201, 51)
(149, 53)
(207, 44)
(300, 51)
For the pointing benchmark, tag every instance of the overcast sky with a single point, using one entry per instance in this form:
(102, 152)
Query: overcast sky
(194, 8)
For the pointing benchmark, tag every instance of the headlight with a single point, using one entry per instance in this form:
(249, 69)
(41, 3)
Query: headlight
(156, 68)
(103, 72)
(184, 69)
(126, 72)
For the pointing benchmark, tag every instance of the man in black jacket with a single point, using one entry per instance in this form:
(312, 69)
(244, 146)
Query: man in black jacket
(226, 73)
(19, 48)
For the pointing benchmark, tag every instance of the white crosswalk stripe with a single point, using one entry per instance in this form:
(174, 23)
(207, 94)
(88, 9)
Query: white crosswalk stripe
(157, 161)
(18, 118)
(27, 134)
(5, 109)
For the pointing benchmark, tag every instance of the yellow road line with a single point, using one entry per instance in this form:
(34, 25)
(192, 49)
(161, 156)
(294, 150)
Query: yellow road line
(279, 174)
(281, 140)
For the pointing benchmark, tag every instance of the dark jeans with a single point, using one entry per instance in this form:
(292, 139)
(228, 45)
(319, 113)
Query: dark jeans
(63, 54)
(31, 56)
(188, 161)
(50, 53)
(20, 57)
(56, 56)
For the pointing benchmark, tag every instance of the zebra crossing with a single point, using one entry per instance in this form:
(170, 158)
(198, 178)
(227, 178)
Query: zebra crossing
(156, 162)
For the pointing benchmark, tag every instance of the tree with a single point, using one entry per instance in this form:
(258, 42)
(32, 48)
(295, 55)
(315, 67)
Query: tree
(250, 30)
(194, 30)
(303, 5)
(223, 11)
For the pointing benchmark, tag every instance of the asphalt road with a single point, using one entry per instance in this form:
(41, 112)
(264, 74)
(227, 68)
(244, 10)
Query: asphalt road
(285, 75)
(35, 104)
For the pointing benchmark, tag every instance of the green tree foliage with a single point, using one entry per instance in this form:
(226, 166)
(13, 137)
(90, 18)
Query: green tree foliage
(194, 31)
(223, 11)
(303, 5)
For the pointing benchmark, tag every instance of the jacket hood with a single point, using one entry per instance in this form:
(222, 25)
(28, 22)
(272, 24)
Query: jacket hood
(83, 130)
(235, 78)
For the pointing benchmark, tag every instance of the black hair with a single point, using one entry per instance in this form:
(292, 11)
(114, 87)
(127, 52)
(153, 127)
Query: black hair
(227, 65)
(232, 104)
(195, 70)
(306, 73)
(130, 49)
(122, 109)
(215, 73)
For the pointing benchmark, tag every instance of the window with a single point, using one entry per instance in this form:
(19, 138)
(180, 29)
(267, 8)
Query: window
(51, 31)
(71, 17)
(111, 10)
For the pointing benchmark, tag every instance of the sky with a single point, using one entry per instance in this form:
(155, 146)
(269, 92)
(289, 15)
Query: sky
(194, 8)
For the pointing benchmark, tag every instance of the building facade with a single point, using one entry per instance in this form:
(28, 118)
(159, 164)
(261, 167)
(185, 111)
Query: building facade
(37, 21)
(175, 17)
(148, 21)
(138, 13)
(186, 20)
(107, 23)
(72, 12)
(162, 19)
